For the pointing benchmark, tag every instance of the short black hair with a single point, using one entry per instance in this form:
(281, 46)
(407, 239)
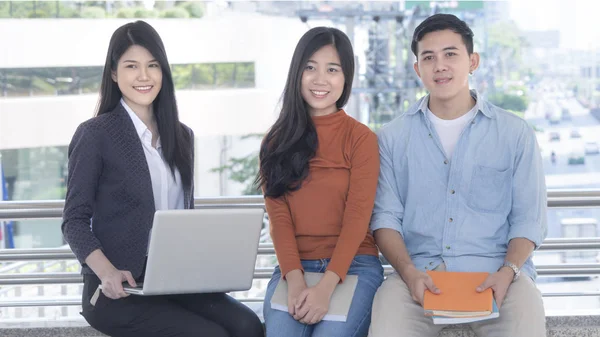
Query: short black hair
(439, 22)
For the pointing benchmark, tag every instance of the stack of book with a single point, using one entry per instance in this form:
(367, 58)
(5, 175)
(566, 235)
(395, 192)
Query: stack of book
(459, 302)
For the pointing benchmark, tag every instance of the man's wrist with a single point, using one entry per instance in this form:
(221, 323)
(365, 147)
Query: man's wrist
(513, 270)
(508, 271)
(406, 270)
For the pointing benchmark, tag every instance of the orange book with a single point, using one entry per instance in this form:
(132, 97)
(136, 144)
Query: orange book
(458, 298)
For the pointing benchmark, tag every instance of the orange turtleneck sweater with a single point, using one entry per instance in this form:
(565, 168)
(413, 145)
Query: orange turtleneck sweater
(328, 217)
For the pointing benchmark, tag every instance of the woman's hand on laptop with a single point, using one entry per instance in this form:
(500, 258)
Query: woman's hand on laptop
(112, 283)
(112, 279)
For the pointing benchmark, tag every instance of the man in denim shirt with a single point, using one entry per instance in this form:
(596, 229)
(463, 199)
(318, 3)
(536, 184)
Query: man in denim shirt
(461, 188)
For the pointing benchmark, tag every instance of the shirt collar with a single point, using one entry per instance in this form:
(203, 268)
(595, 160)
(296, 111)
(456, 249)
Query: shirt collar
(424, 102)
(140, 127)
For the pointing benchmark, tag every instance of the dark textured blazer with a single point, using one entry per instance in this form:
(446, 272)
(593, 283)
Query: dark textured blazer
(109, 203)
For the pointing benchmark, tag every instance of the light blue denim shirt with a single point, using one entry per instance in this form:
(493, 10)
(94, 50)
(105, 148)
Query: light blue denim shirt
(461, 211)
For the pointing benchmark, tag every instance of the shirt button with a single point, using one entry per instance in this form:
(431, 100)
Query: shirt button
(452, 192)
(430, 136)
(446, 162)
(447, 247)
(473, 122)
(431, 263)
(451, 219)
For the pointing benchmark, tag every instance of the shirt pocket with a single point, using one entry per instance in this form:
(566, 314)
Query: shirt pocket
(490, 190)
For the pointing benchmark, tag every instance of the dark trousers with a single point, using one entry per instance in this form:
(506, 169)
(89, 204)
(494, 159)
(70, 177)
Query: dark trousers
(197, 315)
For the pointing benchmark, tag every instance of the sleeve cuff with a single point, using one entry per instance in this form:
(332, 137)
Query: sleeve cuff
(336, 270)
(386, 220)
(288, 268)
(530, 233)
(83, 253)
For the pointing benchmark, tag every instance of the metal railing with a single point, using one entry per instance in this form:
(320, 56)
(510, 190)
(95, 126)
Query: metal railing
(13, 210)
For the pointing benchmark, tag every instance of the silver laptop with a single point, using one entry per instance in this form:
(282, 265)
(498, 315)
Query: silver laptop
(201, 251)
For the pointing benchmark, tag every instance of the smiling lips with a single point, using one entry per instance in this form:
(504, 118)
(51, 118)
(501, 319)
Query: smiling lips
(319, 93)
(442, 80)
(144, 89)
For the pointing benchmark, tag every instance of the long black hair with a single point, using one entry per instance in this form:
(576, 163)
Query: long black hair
(175, 140)
(292, 141)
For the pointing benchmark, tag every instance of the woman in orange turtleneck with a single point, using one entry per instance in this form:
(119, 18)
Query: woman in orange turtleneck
(318, 170)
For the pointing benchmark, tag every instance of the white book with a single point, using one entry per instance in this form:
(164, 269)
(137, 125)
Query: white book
(340, 302)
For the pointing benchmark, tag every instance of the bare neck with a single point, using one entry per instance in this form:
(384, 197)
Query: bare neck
(452, 108)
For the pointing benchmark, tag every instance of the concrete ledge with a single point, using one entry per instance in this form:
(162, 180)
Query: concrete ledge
(558, 326)
(51, 332)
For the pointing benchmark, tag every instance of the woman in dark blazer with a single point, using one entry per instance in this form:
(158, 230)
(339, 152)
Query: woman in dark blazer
(132, 159)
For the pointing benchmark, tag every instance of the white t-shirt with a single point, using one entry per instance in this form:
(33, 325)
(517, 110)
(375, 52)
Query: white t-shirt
(449, 131)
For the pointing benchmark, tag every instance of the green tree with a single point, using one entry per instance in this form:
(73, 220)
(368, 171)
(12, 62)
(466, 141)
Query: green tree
(160, 5)
(506, 35)
(244, 75)
(142, 13)
(243, 169)
(194, 8)
(46, 9)
(4, 9)
(505, 43)
(225, 76)
(175, 13)
(126, 13)
(43, 9)
(510, 102)
(182, 76)
(204, 76)
(70, 9)
(97, 9)
(93, 13)
(20, 9)
(99, 4)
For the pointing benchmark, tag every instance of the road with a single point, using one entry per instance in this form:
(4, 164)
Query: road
(561, 174)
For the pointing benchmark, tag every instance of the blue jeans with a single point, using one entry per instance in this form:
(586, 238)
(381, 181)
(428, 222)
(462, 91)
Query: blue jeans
(370, 276)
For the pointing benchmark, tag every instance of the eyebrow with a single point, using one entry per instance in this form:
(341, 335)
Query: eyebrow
(133, 61)
(445, 49)
(331, 63)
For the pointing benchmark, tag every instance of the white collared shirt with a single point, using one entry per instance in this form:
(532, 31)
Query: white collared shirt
(168, 191)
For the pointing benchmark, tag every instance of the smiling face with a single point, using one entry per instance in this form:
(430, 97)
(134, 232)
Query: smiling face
(443, 64)
(323, 81)
(139, 77)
